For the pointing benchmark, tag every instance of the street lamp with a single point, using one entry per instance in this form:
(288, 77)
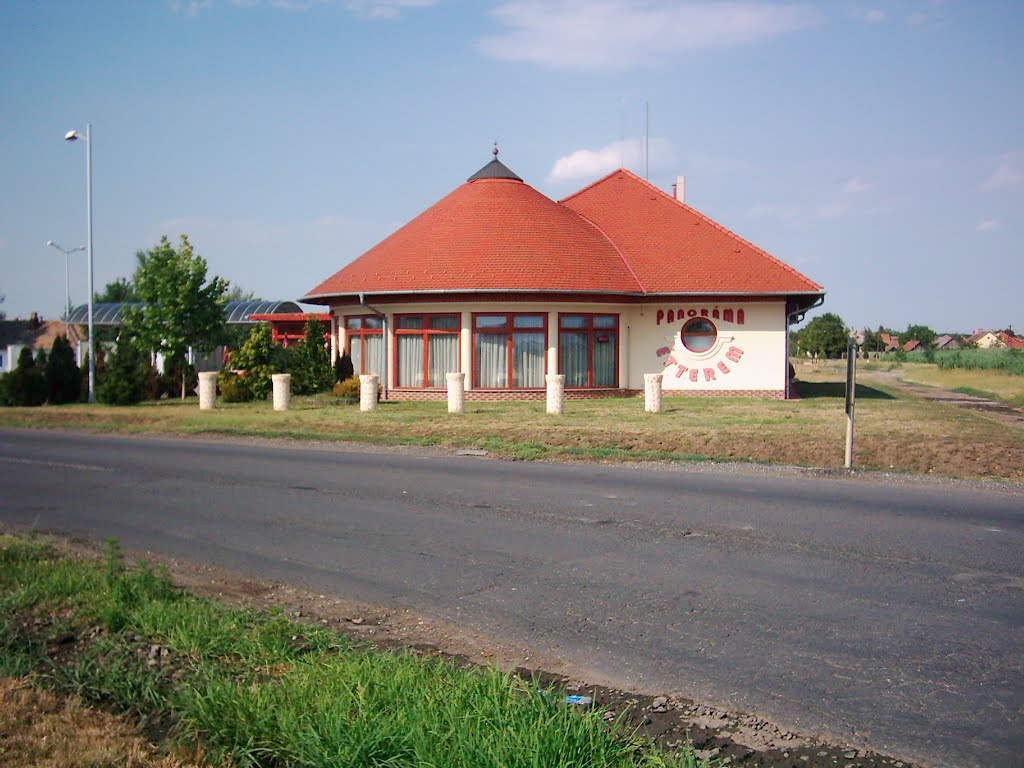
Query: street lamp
(74, 136)
(67, 273)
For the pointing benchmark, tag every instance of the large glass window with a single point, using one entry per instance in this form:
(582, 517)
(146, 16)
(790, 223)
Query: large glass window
(588, 350)
(509, 351)
(366, 343)
(428, 349)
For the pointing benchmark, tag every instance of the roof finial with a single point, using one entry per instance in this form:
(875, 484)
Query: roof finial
(495, 150)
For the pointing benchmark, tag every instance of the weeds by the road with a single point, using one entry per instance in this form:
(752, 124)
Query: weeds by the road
(255, 688)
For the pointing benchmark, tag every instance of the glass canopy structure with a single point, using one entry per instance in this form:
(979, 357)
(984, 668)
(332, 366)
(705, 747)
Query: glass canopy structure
(235, 313)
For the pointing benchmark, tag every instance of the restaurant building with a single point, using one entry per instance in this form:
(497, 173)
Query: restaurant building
(617, 280)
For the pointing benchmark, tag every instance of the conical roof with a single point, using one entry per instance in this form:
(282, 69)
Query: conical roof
(619, 235)
(492, 233)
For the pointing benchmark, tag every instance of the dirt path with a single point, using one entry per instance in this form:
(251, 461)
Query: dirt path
(992, 409)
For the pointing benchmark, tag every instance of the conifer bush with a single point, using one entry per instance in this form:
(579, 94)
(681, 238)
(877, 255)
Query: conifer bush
(126, 380)
(26, 384)
(260, 360)
(63, 379)
(308, 363)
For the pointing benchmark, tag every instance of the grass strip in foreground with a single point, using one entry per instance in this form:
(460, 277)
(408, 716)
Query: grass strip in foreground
(254, 688)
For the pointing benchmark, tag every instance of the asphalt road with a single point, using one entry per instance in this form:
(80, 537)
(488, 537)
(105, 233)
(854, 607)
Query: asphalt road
(883, 614)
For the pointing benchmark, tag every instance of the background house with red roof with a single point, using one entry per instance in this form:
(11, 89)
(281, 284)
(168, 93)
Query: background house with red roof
(619, 279)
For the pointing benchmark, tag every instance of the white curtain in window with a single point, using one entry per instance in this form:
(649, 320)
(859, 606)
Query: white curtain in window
(527, 359)
(356, 353)
(604, 360)
(374, 355)
(491, 360)
(572, 358)
(410, 361)
(444, 358)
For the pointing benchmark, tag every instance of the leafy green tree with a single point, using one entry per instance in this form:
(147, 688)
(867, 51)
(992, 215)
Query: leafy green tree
(63, 379)
(119, 291)
(127, 379)
(180, 308)
(921, 333)
(260, 360)
(824, 336)
(309, 363)
(26, 385)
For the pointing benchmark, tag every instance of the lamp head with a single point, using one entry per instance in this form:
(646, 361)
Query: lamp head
(50, 242)
(71, 136)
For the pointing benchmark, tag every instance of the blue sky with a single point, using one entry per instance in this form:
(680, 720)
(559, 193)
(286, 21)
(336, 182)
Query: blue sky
(875, 146)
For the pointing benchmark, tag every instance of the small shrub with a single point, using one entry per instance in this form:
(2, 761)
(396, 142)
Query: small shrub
(234, 388)
(347, 388)
(26, 384)
(126, 380)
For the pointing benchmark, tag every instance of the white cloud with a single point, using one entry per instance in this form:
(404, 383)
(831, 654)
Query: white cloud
(593, 163)
(613, 35)
(856, 186)
(385, 9)
(1006, 175)
(371, 9)
(847, 201)
(870, 15)
(931, 13)
(989, 225)
(190, 7)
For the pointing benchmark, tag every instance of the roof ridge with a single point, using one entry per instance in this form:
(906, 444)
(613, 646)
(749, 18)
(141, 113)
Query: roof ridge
(591, 185)
(606, 236)
(721, 228)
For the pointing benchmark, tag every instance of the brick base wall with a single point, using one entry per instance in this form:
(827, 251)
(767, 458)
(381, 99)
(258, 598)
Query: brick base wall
(490, 395)
(768, 394)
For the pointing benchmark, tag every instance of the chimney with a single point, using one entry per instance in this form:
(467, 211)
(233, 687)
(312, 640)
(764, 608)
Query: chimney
(33, 320)
(680, 189)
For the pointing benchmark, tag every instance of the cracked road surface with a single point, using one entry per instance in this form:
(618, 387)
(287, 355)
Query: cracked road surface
(884, 614)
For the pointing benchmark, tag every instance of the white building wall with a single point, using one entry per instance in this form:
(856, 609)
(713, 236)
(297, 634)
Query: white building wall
(748, 355)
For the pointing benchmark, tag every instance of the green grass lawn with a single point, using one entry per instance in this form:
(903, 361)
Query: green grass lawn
(895, 431)
(255, 688)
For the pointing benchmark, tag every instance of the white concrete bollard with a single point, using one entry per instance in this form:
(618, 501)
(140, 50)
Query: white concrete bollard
(368, 391)
(456, 392)
(556, 393)
(207, 390)
(282, 391)
(652, 392)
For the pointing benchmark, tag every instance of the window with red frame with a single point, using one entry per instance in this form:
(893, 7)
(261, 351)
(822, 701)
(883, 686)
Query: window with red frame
(588, 350)
(365, 339)
(428, 349)
(509, 350)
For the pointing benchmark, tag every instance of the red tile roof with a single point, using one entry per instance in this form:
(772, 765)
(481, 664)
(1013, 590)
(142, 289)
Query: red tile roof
(619, 235)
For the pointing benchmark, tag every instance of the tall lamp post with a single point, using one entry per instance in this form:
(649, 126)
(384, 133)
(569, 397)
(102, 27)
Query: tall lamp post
(67, 273)
(74, 136)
